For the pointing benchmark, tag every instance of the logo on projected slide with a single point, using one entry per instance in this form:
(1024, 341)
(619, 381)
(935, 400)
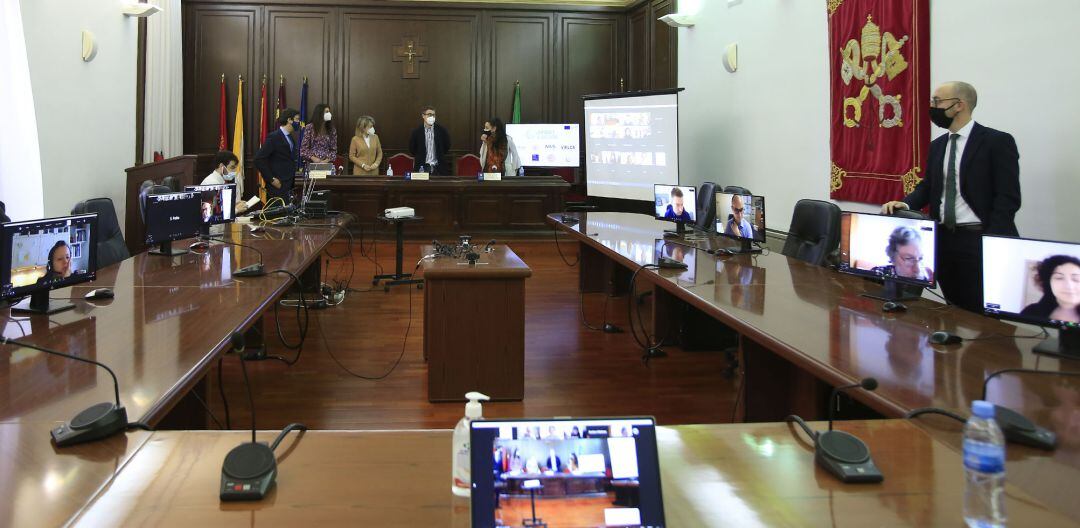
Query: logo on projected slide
(864, 61)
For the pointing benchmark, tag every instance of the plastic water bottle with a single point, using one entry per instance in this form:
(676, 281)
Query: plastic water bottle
(389, 170)
(984, 468)
(521, 171)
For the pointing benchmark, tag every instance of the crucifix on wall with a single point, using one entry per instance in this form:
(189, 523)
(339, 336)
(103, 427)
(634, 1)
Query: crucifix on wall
(410, 53)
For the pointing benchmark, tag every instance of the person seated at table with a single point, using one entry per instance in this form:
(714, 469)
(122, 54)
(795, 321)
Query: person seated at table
(904, 250)
(225, 165)
(575, 432)
(1059, 279)
(676, 210)
(319, 141)
(573, 465)
(737, 224)
(59, 263)
(365, 150)
(497, 150)
(553, 462)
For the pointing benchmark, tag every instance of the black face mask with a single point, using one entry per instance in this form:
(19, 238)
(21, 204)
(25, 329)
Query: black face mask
(939, 118)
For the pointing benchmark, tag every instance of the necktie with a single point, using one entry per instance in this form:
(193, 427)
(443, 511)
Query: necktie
(950, 185)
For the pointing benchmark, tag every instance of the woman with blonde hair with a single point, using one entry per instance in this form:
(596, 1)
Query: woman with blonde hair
(365, 151)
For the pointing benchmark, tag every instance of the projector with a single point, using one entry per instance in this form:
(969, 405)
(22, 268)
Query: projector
(399, 212)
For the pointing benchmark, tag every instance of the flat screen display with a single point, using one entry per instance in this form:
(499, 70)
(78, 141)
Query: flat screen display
(1034, 281)
(217, 203)
(631, 143)
(547, 145)
(888, 247)
(675, 203)
(47, 254)
(740, 216)
(172, 216)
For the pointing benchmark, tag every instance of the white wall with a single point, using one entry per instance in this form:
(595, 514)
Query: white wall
(766, 126)
(85, 110)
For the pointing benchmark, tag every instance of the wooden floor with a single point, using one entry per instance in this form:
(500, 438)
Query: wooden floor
(569, 369)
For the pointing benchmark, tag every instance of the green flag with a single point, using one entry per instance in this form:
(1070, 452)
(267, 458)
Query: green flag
(515, 114)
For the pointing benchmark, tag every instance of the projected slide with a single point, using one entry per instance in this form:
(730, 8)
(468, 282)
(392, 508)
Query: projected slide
(631, 143)
(546, 145)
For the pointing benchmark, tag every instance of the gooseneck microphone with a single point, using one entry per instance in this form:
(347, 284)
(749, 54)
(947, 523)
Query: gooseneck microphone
(98, 421)
(1018, 428)
(843, 454)
(250, 469)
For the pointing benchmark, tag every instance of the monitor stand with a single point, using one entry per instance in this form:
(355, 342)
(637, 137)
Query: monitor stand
(209, 232)
(39, 303)
(679, 232)
(166, 249)
(746, 246)
(892, 291)
(1066, 345)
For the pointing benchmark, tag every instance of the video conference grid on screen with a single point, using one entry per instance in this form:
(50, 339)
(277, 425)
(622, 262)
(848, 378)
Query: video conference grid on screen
(217, 202)
(888, 247)
(546, 145)
(46, 253)
(630, 144)
(675, 203)
(1034, 281)
(740, 216)
(600, 472)
(172, 216)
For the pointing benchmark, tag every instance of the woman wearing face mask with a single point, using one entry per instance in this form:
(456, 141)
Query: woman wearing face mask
(225, 167)
(365, 151)
(320, 137)
(497, 150)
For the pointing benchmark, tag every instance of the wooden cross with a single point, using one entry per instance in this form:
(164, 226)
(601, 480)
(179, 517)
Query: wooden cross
(410, 53)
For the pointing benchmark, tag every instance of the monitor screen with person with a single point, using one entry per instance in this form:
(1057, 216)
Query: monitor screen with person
(888, 247)
(217, 203)
(740, 216)
(41, 255)
(1033, 281)
(172, 216)
(675, 203)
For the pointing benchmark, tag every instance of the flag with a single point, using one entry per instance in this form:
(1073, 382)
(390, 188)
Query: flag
(264, 125)
(303, 112)
(515, 114)
(280, 97)
(238, 137)
(223, 128)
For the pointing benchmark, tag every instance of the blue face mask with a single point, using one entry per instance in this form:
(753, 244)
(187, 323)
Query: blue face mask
(229, 176)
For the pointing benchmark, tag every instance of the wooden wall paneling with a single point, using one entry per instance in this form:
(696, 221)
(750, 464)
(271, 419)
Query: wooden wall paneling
(663, 47)
(589, 55)
(372, 82)
(638, 26)
(519, 48)
(301, 42)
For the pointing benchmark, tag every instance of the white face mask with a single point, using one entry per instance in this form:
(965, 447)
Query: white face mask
(430, 120)
(371, 131)
(326, 116)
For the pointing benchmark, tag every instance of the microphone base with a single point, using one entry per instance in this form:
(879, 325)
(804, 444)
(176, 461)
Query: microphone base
(846, 457)
(254, 270)
(1019, 430)
(96, 422)
(248, 473)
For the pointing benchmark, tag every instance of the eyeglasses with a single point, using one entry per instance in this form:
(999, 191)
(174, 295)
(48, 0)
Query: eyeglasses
(936, 101)
(738, 209)
(910, 260)
(429, 114)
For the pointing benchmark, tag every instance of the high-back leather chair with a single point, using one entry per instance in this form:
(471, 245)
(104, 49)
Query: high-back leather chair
(908, 213)
(468, 165)
(735, 189)
(401, 163)
(3, 214)
(110, 240)
(706, 206)
(172, 182)
(814, 231)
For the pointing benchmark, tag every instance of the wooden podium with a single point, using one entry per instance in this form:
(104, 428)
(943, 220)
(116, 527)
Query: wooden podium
(474, 326)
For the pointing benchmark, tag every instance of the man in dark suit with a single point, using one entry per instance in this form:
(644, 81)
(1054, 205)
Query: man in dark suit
(276, 159)
(972, 187)
(429, 144)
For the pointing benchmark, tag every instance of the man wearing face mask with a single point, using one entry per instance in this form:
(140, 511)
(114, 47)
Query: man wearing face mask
(276, 159)
(225, 164)
(972, 187)
(429, 144)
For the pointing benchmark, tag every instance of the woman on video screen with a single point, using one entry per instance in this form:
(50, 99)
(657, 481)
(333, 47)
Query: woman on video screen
(905, 255)
(1059, 279)
(59, 265)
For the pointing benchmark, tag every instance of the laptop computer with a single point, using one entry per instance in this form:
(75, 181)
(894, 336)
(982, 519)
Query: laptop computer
(565, 472)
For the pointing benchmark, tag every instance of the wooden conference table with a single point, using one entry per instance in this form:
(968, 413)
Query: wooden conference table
(712, 475)
(170, 319)
(806, 328)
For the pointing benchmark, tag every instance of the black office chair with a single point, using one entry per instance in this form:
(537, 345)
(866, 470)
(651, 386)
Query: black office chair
(908, 213)
(110, 245)
(815, 231)
(706, 206)
(172, 182)
(3, 214)
(735, 189)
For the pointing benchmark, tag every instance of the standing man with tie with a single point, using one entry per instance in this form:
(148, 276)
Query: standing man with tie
(972, 186)
(429, 144)
(276, 159)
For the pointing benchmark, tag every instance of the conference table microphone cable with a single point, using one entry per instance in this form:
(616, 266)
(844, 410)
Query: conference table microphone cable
(303, 326)
(555, 230)
(650, 345)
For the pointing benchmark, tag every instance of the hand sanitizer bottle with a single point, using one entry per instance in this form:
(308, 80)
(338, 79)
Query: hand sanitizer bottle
(389, 170)
(462, 473)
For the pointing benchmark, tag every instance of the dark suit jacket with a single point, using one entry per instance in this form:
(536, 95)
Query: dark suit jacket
(276, 160)
(989, 179)
(418, 148)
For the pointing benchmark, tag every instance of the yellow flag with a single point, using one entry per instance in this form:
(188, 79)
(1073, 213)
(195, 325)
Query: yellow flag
(238, 138)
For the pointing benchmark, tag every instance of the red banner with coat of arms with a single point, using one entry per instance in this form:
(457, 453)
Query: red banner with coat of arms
(879, 67)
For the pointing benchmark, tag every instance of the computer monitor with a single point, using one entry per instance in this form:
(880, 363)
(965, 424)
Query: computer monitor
(1037, 282)
(675, 203)
(565, 472)
(38, 256)
(217, 204)
(172, 216)
(742, 217)
(896, 250)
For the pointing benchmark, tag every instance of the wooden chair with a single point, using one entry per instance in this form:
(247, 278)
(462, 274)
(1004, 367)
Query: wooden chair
(468, 165)
(401, 163)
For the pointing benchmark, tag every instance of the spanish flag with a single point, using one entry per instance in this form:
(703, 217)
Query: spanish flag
(238, 137)
(264, 123)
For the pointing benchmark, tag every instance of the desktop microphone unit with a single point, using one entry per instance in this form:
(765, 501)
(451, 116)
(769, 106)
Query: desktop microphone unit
(249, 471)
(252, 270)
(843, 454)
(1016, 427)
(98, 421)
